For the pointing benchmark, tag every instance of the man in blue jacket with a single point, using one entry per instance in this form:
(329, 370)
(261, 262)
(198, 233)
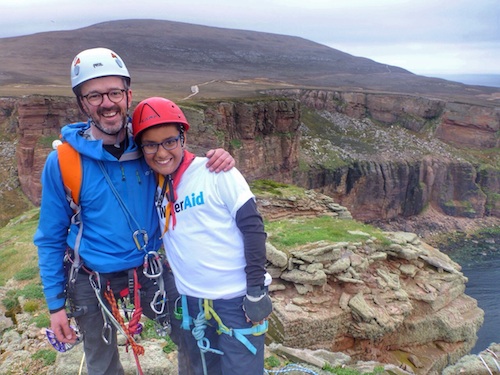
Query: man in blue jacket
(109, 248)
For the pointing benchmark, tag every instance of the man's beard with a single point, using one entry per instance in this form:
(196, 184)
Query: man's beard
(111, 130)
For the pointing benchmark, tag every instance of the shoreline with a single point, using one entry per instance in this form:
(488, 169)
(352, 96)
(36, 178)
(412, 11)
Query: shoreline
(434, 227)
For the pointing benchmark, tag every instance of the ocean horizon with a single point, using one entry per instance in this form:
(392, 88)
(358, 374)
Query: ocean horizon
(491, 80)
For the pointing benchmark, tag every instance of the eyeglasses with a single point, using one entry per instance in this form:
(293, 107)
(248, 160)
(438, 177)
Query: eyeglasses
(96, 98)
(168, 144)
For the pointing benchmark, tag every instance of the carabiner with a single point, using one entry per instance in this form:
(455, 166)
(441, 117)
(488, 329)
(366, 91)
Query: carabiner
(95, 282)
(107, 331)
(144, 236)
(159, 301)
(96, 285)
(152, 265)
(178, 309)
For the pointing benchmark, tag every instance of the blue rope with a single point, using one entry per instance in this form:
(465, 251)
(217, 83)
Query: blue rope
(126, 211)
(290, 368)
(200, 324)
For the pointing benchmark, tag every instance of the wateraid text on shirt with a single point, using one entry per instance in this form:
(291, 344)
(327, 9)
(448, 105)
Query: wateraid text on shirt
(187, 202)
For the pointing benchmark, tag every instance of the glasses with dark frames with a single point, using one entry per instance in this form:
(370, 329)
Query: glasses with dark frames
(168, 144)
(96, 98)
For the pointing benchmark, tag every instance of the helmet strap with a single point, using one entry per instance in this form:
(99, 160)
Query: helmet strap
(181, 135)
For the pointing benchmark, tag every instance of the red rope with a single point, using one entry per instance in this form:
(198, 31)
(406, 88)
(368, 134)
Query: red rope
(131, 329)
(136, 316)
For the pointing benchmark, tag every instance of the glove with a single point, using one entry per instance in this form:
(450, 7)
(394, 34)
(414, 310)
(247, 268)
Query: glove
(257, 304)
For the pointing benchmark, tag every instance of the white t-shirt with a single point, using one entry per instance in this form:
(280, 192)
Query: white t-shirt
(205, 249)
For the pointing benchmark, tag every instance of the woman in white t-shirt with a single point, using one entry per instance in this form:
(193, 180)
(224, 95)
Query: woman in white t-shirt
(215, 243)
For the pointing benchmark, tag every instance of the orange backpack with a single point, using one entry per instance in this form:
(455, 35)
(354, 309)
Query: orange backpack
(71, 170)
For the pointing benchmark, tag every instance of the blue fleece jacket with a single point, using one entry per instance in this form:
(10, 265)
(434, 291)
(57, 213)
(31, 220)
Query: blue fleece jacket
(107, 244)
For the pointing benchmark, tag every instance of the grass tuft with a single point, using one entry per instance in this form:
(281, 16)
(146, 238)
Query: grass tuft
(286, 234)
(47, 356)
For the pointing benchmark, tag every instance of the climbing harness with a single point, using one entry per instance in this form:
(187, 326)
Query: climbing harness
(153, 269)
(205, 314)
(152, 263)
(200, 324)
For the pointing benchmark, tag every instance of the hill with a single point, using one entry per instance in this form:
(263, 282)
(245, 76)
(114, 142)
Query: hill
(168, 58)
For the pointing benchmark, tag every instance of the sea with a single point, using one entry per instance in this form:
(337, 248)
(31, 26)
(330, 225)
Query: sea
(480, 261)
(492, 80)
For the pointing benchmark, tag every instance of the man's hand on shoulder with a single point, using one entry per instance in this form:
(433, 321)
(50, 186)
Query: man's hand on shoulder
(219, 160)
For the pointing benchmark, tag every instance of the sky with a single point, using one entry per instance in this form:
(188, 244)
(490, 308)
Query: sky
(426, 37)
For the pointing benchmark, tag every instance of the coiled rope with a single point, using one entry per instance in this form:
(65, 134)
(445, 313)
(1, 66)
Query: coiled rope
(200, 324)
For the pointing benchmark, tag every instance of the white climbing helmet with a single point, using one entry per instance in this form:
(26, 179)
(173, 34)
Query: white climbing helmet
(95, 63)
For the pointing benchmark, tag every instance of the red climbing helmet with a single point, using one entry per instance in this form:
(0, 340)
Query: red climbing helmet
(155, 111)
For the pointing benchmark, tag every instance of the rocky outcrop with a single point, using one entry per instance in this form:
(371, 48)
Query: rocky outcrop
(19, 342)
(39, 120)
(387, 190)
(400, 302)
(262, 135)
(471, 126)
(463, 124)
(485, 363)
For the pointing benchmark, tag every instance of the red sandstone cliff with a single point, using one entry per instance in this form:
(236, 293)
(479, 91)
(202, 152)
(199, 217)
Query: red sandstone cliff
(402, 154)
(399, 154)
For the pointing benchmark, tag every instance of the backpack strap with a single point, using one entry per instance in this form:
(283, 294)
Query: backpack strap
(70, 164)
(71, 170)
